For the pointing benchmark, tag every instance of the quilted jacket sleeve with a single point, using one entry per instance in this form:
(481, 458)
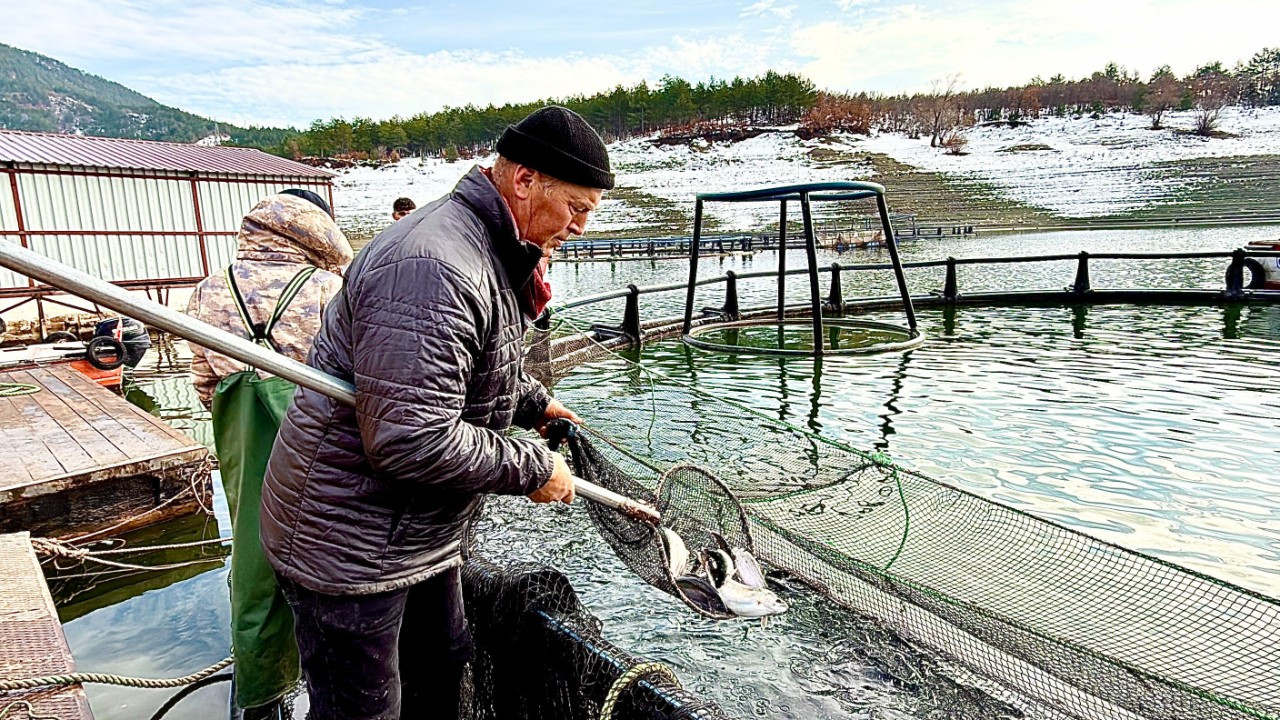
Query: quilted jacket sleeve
(415, 333)
(532, 403)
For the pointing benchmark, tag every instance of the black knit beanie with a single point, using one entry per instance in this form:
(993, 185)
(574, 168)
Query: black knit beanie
(557, 141)
(308, 195)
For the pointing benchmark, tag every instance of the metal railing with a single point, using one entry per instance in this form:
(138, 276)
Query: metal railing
(1079, 290)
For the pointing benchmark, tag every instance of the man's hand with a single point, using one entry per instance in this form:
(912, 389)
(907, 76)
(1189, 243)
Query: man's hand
(555, 409)
(559, 487)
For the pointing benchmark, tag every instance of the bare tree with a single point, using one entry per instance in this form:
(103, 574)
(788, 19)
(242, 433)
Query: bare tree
(1163, 93)
(1212, 89)
(954, 140)
(939, 106)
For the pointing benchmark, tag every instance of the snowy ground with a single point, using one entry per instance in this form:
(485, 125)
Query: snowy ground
(651, 181)
(1093, 168)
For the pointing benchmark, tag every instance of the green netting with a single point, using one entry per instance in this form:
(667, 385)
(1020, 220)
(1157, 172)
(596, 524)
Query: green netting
(1086, 628)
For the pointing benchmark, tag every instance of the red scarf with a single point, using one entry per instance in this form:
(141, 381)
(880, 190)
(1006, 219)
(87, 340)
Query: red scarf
(537, 292)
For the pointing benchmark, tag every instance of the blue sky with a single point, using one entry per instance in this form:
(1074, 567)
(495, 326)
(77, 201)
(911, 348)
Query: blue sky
(285, 62)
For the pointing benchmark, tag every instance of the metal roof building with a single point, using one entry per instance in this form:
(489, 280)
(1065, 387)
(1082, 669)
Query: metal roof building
(142, 214)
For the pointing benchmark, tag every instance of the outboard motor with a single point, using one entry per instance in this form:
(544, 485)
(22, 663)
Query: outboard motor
(134, 337)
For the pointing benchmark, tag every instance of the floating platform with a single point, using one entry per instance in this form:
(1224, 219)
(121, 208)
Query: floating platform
(83, 459)
(31, 639)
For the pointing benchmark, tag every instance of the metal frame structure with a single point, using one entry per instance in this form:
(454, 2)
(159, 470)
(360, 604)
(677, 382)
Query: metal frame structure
(806, 195)
(144, 215)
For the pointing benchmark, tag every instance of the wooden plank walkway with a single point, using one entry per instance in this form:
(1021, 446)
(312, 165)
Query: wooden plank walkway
(31, 639)
(84, 459)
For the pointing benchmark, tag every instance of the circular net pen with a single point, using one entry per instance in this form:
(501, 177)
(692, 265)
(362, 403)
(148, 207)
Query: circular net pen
(818, 335)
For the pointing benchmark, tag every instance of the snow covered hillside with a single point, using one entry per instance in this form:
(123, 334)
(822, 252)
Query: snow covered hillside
(1091, 168)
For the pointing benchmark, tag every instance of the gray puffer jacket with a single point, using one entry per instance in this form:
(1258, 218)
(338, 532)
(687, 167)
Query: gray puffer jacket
(429, 328)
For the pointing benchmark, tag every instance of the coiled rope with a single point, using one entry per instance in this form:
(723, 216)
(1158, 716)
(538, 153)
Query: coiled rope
(55, 548)
(633, 675)
(28, 708)
(16, 389)
(104, 679)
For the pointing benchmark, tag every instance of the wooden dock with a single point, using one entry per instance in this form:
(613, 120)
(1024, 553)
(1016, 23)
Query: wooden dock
(80, 458)
(31, 639)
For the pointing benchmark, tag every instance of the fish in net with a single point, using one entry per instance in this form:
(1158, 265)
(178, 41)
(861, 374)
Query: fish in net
(701, 553)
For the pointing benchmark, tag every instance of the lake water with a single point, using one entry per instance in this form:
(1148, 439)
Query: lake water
(1150, 427)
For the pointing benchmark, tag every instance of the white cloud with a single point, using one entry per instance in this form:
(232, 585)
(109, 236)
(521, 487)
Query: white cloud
(902, 49)
(847, 5)
(385, 84)
(393, 82)
(769, 7)
(239, 31)
(286, 62)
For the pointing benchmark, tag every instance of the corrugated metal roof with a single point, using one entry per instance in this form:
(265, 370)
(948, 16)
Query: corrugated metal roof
(81, 150)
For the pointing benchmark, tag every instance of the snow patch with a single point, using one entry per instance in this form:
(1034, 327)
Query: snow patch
(1098, 167)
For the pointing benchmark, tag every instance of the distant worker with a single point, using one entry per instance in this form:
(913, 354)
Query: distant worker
(288, 265)
(401, 208)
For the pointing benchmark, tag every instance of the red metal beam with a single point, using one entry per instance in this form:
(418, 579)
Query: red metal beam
(45, 290)
(116, 232)
(204, 250)
(17, 211)
(160, 175)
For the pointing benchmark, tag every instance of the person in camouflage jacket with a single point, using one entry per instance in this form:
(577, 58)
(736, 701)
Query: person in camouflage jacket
(288, 266)
(280, 236)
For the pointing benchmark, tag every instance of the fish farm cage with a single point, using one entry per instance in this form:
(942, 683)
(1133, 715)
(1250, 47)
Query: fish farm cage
(829, 336)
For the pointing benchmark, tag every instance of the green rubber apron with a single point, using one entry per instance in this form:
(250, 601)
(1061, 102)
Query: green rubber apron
(247, 411)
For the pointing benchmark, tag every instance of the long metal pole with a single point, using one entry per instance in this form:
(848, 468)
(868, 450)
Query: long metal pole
(892, 243)
(34, 265)
(693, 266)
(815, 291)
(782, 263)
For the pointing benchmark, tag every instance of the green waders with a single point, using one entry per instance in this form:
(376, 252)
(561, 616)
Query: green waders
(247, 411)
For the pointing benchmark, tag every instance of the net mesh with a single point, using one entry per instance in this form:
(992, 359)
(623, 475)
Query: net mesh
(1086, 628)
(521, 612)
(692, 502)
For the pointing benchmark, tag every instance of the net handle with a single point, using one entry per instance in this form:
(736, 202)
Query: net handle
(631, 508)
(561, 429)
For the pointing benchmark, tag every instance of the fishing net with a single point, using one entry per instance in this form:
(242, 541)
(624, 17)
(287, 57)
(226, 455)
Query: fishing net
(693, 504)
(539, 655)
(1078, 627)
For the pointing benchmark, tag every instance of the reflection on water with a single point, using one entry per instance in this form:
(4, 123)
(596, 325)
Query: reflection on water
(1152, 427)
(576, 280)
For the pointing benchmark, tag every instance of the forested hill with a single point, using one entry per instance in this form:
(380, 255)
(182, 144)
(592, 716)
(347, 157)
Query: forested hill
(40, 93)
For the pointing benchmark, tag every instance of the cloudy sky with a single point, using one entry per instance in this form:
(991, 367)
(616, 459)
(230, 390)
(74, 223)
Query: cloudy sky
(284, 62)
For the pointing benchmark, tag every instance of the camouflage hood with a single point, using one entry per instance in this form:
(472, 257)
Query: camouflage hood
(284, 228)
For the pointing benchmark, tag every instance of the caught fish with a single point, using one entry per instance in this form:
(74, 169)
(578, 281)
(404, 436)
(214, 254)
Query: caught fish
(747, 568)
(716, 583)
(741, 599)
(746, 601)
(699, 591)
(677, 552)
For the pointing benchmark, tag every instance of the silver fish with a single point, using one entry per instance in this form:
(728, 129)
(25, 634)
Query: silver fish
(677, 553)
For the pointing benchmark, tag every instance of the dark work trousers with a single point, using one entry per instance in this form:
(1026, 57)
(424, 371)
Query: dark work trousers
(386, 656)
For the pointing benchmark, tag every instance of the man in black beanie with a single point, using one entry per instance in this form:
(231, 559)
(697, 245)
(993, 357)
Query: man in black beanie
(365, 510)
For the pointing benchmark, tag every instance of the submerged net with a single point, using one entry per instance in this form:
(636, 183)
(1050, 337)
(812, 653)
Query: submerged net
(1083, 628)
(539, 655)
